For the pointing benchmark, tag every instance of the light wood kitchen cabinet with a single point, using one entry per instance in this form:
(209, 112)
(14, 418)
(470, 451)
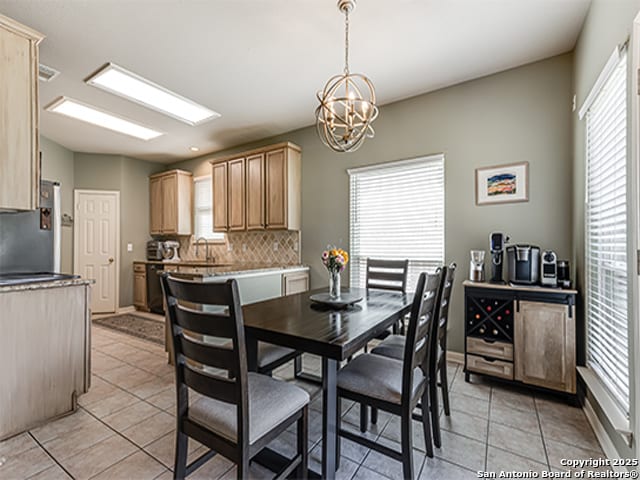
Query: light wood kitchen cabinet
(220, 193)
(544, 345)
(295, 282)
(236, 195)
(19, 143)
(255, 191)
(171, 203)
(140, 286)
(269, 196)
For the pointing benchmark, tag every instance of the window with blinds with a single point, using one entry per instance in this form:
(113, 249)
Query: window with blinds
(397, 212)
(607, 251)
(203, 209)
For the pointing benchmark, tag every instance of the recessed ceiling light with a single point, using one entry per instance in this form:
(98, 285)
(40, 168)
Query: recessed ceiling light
(194, 149)
(86, 113)
(119, 81)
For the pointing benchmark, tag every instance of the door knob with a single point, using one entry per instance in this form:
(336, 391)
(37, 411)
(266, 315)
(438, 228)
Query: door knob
(111, 260)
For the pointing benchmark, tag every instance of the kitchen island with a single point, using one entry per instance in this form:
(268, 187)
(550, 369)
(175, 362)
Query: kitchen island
(45, 351)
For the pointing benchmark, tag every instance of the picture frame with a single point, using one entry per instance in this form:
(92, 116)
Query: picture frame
(502, 184)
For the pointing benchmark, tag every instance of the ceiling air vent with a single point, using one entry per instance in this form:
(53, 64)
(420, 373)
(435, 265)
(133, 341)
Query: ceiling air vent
(46, 74)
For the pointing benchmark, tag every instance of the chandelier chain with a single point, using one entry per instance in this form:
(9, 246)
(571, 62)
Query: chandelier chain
(346, 42)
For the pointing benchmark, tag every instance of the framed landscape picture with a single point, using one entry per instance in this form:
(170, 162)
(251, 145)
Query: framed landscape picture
(502, 184)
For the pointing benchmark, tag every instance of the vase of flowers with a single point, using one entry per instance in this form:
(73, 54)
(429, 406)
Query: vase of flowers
(334, 259)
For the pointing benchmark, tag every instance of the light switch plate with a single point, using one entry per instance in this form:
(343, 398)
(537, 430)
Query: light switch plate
(275, 246)
(129, 247)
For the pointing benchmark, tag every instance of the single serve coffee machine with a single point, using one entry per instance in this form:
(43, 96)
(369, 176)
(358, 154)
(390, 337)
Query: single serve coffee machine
(497, 242)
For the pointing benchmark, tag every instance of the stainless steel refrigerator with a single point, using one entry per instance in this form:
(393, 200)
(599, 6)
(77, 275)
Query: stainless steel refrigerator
(30, 241)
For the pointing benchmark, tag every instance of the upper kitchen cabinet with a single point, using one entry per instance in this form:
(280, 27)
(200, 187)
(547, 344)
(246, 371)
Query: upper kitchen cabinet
(171, 203)
(258, 190)
(19, 155)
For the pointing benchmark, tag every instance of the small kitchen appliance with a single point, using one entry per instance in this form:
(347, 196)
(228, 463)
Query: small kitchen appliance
(476, 266)
(170, 251)
(523, 264)
(154, 250)
(564, 275)
(497, 241)
(549, 269)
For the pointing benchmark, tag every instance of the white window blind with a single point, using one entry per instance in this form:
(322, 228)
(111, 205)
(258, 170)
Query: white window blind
(203, 209)
(607, 301)
(396, 213)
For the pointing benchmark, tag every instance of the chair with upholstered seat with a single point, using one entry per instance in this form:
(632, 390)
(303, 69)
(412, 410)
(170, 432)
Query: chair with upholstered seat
(393, 347)
(396, 386)
(228, 415)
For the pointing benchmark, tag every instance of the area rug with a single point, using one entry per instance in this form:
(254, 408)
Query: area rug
(134, 325)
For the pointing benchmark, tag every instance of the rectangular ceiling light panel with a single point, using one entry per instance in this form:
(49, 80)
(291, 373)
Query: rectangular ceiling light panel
(86, 113)
(119, 81)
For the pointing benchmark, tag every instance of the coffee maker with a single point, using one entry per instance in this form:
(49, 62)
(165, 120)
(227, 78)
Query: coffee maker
(497, 242)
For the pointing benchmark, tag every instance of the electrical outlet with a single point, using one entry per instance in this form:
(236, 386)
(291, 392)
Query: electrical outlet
(229, 247)
(295, 246)
(275, 246)
(129, 247)
(244, 247)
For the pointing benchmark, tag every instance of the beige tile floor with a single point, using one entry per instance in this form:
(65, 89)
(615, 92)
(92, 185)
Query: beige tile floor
(124, 428)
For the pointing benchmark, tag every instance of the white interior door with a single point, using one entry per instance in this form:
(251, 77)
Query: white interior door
(96, 240)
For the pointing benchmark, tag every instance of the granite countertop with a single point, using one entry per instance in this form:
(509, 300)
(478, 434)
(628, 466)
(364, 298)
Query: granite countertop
(242, 269)
(46, 284)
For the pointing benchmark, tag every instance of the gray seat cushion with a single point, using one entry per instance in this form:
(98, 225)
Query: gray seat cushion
(378, 377)
(392, 346)
(270, 402)
(268, 352)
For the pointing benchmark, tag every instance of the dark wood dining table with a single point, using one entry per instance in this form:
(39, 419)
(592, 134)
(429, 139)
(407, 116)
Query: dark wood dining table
(296, 322)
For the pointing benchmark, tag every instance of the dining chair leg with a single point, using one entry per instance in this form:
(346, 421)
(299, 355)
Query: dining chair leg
(303, 449)
(374, 415)
(297, 366)
(364, 417)
(407, 445)
(434, 409)
(338, 426)
(444, 386)
(426, 425)
(180, 465)
(242, 470)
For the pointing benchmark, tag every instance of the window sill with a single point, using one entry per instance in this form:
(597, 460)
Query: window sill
(618, 419)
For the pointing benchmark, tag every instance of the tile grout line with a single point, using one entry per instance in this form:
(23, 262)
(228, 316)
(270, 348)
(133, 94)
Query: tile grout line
(50, 456)
(486, 444)
(544, 442)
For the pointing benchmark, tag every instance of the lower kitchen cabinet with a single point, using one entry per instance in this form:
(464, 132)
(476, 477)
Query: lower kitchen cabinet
(140, 286)
(523, 334)
(545, 345)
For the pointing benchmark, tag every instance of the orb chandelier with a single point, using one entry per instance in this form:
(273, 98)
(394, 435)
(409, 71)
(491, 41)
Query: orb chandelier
(347, 103)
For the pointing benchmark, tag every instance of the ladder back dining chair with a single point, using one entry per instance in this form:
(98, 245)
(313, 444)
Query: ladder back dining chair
(228, 414)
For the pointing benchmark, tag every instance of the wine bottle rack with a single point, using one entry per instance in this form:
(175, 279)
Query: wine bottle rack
(490, 318)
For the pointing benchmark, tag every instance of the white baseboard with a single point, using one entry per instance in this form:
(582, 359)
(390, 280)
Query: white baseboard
(607, 445)
(127, 309)
(455, 357)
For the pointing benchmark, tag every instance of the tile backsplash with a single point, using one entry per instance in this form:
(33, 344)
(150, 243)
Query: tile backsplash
(270, 247)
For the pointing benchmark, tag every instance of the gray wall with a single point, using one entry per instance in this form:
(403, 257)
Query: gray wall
(519, 115)
(130, 177)
(57, 165)
(608, 24)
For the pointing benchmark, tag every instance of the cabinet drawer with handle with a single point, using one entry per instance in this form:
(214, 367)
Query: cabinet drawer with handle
(488, 348)
(497, 368)
(139, 267)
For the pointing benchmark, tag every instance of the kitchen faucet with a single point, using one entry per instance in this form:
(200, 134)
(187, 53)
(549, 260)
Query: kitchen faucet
(206, 246)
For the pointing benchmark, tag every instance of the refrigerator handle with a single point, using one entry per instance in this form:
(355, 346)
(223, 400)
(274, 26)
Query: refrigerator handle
(57, 224)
